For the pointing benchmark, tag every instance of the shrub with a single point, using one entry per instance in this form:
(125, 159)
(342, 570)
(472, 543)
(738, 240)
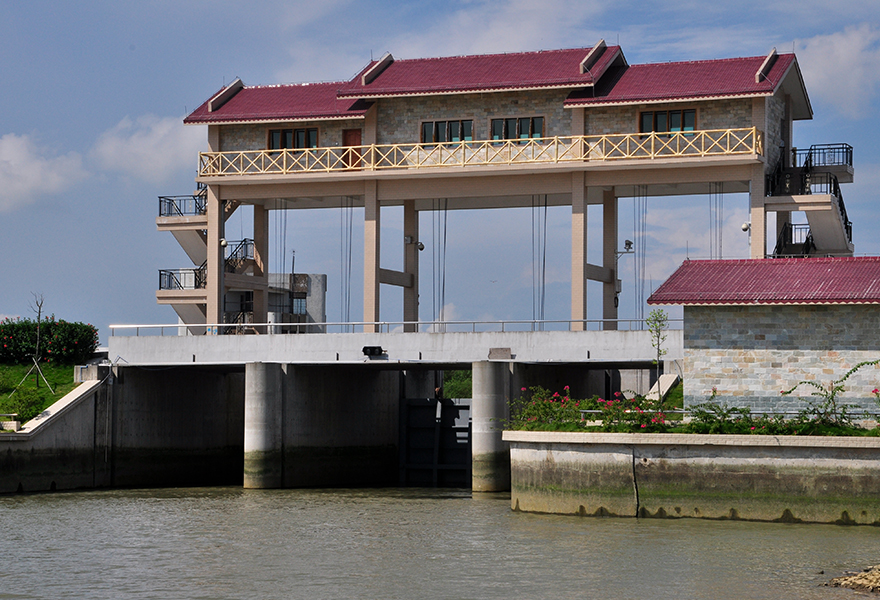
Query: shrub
(60, 341)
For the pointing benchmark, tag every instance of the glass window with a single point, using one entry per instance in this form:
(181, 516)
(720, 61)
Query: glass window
(447, 131)
(538, 127)
(497, 129)
(293, 138)
(467, 131)
(668, 121)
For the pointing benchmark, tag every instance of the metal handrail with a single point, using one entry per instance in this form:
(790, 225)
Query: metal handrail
(549, 150)
(182, 206)
(823, 155)
(501, 326)
(241, 252)
(183, 279)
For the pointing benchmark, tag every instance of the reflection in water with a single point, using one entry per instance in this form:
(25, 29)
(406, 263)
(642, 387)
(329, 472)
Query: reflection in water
(397, 543)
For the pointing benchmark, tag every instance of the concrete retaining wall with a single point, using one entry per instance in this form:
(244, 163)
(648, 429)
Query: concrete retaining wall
(761, 478)
(169, 427)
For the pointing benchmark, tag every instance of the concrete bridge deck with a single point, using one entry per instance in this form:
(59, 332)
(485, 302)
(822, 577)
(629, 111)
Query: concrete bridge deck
(570, 347)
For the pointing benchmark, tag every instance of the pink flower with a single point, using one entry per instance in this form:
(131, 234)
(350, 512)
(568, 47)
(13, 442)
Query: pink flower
(643, 425)
(875, 391)
(522, 390)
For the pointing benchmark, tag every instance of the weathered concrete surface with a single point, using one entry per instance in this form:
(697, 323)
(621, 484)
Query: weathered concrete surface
(762, 478)
(490, 468)
(139, 427)
(263, 402)
(340, 425)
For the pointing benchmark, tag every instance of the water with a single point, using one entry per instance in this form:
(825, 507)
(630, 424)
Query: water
(231, 543)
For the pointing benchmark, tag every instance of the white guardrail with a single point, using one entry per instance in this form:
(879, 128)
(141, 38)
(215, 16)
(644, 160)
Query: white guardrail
(384, 327)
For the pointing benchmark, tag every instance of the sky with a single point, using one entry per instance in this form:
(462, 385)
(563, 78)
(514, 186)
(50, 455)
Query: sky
(91, 134)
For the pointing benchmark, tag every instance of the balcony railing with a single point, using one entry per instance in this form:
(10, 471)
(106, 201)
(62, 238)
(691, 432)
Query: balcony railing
(182, 206)
(569, 149)
(182, 279)
(823, 155)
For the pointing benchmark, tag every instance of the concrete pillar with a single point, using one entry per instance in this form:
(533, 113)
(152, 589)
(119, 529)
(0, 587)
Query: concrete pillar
(490, 455)
(609, 259)
(214, 287)
(261, 264)
(757, 214)
(372, 226)
(263, 432)
(411, 266)
(578, 252)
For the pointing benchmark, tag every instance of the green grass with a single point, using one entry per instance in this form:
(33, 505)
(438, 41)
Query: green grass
(31, 398)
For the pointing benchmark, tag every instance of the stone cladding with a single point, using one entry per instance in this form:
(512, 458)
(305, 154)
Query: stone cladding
(256, 137)
(400, 119)
(752, 353)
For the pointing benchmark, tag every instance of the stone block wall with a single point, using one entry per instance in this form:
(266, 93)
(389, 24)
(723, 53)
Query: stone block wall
(716, 114)
(773, 135)
(400, 119)
(256, 137)
(751, 353)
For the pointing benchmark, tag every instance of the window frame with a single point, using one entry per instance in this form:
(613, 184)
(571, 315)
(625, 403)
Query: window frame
(292, 134)
(667, 114)
(505, 124)
(445, 138)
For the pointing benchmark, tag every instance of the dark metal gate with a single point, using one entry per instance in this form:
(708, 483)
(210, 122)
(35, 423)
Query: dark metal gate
(435, 442)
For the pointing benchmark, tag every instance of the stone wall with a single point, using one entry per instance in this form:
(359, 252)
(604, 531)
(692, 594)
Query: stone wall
(256, 137)
(751, 353)
(773, 135)
(716, 114)
(400, 119)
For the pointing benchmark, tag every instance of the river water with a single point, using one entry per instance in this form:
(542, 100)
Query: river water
(210, 543)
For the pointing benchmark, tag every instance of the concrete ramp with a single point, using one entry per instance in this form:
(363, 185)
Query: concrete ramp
(666, 382)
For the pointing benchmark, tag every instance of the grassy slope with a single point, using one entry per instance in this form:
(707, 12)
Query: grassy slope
(31, 399)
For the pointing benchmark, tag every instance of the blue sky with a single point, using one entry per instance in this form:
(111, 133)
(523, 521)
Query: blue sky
(95, 92)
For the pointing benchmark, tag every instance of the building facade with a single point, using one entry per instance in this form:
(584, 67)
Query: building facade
(575, 127)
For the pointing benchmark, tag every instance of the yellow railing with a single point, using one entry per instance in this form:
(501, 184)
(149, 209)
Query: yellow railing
(618, 146)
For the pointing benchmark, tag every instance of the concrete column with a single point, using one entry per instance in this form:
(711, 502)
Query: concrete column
(490, 455)
(263, 432)
(757, 214)
(411, 266)
(372, 226)
(578, 252)
(261, 263)
(214, 287)
(609, 258)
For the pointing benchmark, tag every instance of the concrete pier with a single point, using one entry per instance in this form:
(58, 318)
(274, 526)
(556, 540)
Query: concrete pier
(491, 458)
(263, 434)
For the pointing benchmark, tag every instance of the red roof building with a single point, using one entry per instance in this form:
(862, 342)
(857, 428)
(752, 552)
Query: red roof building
(577, 127)
(838, 280)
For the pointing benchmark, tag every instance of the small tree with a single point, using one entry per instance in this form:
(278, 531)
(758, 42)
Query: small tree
(657, 323)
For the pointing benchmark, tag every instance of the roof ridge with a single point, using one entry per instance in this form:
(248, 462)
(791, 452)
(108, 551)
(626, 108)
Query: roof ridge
(521, 53)
(300, 84)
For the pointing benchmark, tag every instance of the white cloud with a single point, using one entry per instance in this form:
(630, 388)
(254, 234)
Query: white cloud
(149, 148)
(28, 171)
(841, 68)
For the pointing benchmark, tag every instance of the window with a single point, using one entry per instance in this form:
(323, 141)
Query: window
(517, 128)
(447, 131)
(668, 121)
(299, 303)
(293, 138)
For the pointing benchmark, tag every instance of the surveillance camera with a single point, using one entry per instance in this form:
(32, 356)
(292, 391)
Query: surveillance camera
(222, 242)
(746, 226)
(420, 246)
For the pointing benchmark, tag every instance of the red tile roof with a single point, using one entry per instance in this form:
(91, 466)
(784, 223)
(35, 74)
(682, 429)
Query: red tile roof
(489, 72)
(684, 80)
(312, 101)
(849, 280)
